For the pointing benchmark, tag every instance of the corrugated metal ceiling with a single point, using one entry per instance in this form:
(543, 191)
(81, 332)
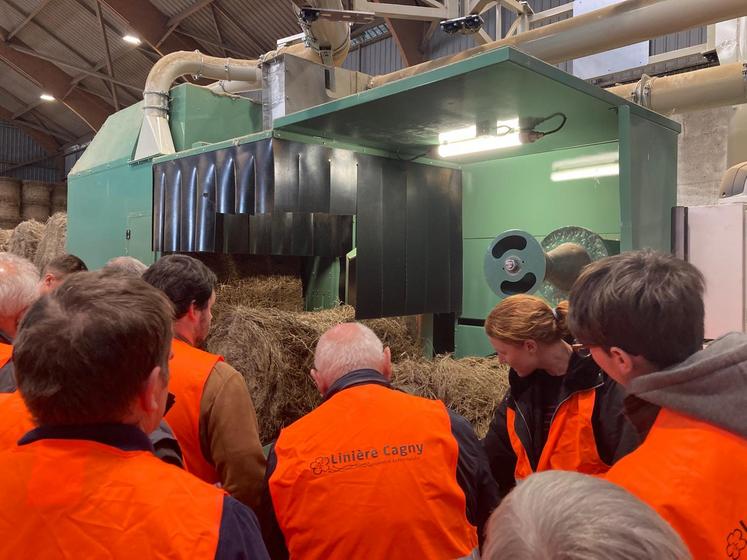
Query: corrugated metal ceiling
(68, 30)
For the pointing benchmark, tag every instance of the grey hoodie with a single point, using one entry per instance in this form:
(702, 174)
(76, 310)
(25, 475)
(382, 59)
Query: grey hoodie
(710, 385)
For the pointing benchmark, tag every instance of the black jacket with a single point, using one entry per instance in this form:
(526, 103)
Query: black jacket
(7, 379)
(613, 433)
(473, 473)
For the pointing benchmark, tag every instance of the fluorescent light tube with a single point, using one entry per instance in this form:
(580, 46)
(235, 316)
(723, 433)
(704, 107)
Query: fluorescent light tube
(479, 144)
(590, 172)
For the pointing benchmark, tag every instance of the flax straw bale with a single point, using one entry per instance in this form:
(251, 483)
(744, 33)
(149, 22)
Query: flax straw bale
(5, 238)
(25, 239)
(52, 242)
(282, 292)
(231, 268)
(473, 387)
(274, 351)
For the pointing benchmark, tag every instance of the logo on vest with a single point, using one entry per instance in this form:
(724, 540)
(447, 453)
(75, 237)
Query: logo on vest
(736, 542)
(372, 456)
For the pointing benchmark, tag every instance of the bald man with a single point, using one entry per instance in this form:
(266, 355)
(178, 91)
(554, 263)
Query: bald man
(374, 472)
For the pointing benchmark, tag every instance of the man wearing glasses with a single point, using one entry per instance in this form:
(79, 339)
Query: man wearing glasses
(641, 316)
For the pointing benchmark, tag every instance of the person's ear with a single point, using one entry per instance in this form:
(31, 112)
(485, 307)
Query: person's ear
(386, 366)
(48, 279)
(530, 345)
(192, 311)
(623, 362)
(151, 390)
(318, 381)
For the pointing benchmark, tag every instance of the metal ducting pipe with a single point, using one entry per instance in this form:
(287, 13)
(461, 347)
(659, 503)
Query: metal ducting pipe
(155, 135)
(608, 28)
(690, 91)
(236, 75)
(324, 35)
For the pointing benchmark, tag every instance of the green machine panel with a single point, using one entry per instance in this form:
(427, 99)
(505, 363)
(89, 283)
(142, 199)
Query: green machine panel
(518, 193)
(110, 199)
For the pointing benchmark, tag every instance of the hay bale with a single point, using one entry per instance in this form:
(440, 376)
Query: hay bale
(35, 201)
(25, 239)
(473, 387)
(52, 242)
(59, 197)
(274, 351)
(10, 202)
(282, 292)
(231, 268)
(5, 238)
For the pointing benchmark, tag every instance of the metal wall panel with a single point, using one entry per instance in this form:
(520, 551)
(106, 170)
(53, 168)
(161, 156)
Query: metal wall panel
(16, 147)
(409, 236)
(409, 239)
(380, 57)
(267, 197)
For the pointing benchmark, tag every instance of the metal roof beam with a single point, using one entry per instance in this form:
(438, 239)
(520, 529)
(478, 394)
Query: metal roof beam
(409, 35)
(109, 67)
(41, 137)
(174, 22)
(150, 24)
(54, 81)
(28, 18)
(227, 47)
(88, 71)
(218, 33)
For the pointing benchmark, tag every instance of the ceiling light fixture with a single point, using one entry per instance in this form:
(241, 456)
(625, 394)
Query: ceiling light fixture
(46, 97)
(485, 137)
(466, 140)
(132, 40)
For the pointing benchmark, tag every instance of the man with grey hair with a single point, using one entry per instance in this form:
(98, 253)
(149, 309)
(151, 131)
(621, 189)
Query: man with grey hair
(19, 280)
(572, 516)
(374, 472)
(126, 265)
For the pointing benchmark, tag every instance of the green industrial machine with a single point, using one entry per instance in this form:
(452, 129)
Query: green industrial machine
(110, 197)
(604, 181)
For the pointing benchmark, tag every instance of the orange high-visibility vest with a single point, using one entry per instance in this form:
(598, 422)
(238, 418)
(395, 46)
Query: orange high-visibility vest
(371, 473)
(570, 444)
(189, 369)
(693, 474)
(15, 419)
(83, 499)
(6, 353)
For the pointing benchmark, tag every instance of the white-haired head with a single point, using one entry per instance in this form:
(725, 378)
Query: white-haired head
(126, 265)
(567, 515)
(345, 348)
(19, 288)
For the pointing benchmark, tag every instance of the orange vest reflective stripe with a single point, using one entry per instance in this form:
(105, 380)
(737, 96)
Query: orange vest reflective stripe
(6, 353)
(371, 473)
(570, 444)
(82, 499)
(693, 474)
(189, 369)
(15, 419)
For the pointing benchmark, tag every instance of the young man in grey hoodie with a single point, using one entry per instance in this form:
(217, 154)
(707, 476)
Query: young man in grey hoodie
(641, 316)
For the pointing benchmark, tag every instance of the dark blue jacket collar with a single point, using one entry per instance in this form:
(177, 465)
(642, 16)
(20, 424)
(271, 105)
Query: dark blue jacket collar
(355, 378)
(121, 436)
(4, 338)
